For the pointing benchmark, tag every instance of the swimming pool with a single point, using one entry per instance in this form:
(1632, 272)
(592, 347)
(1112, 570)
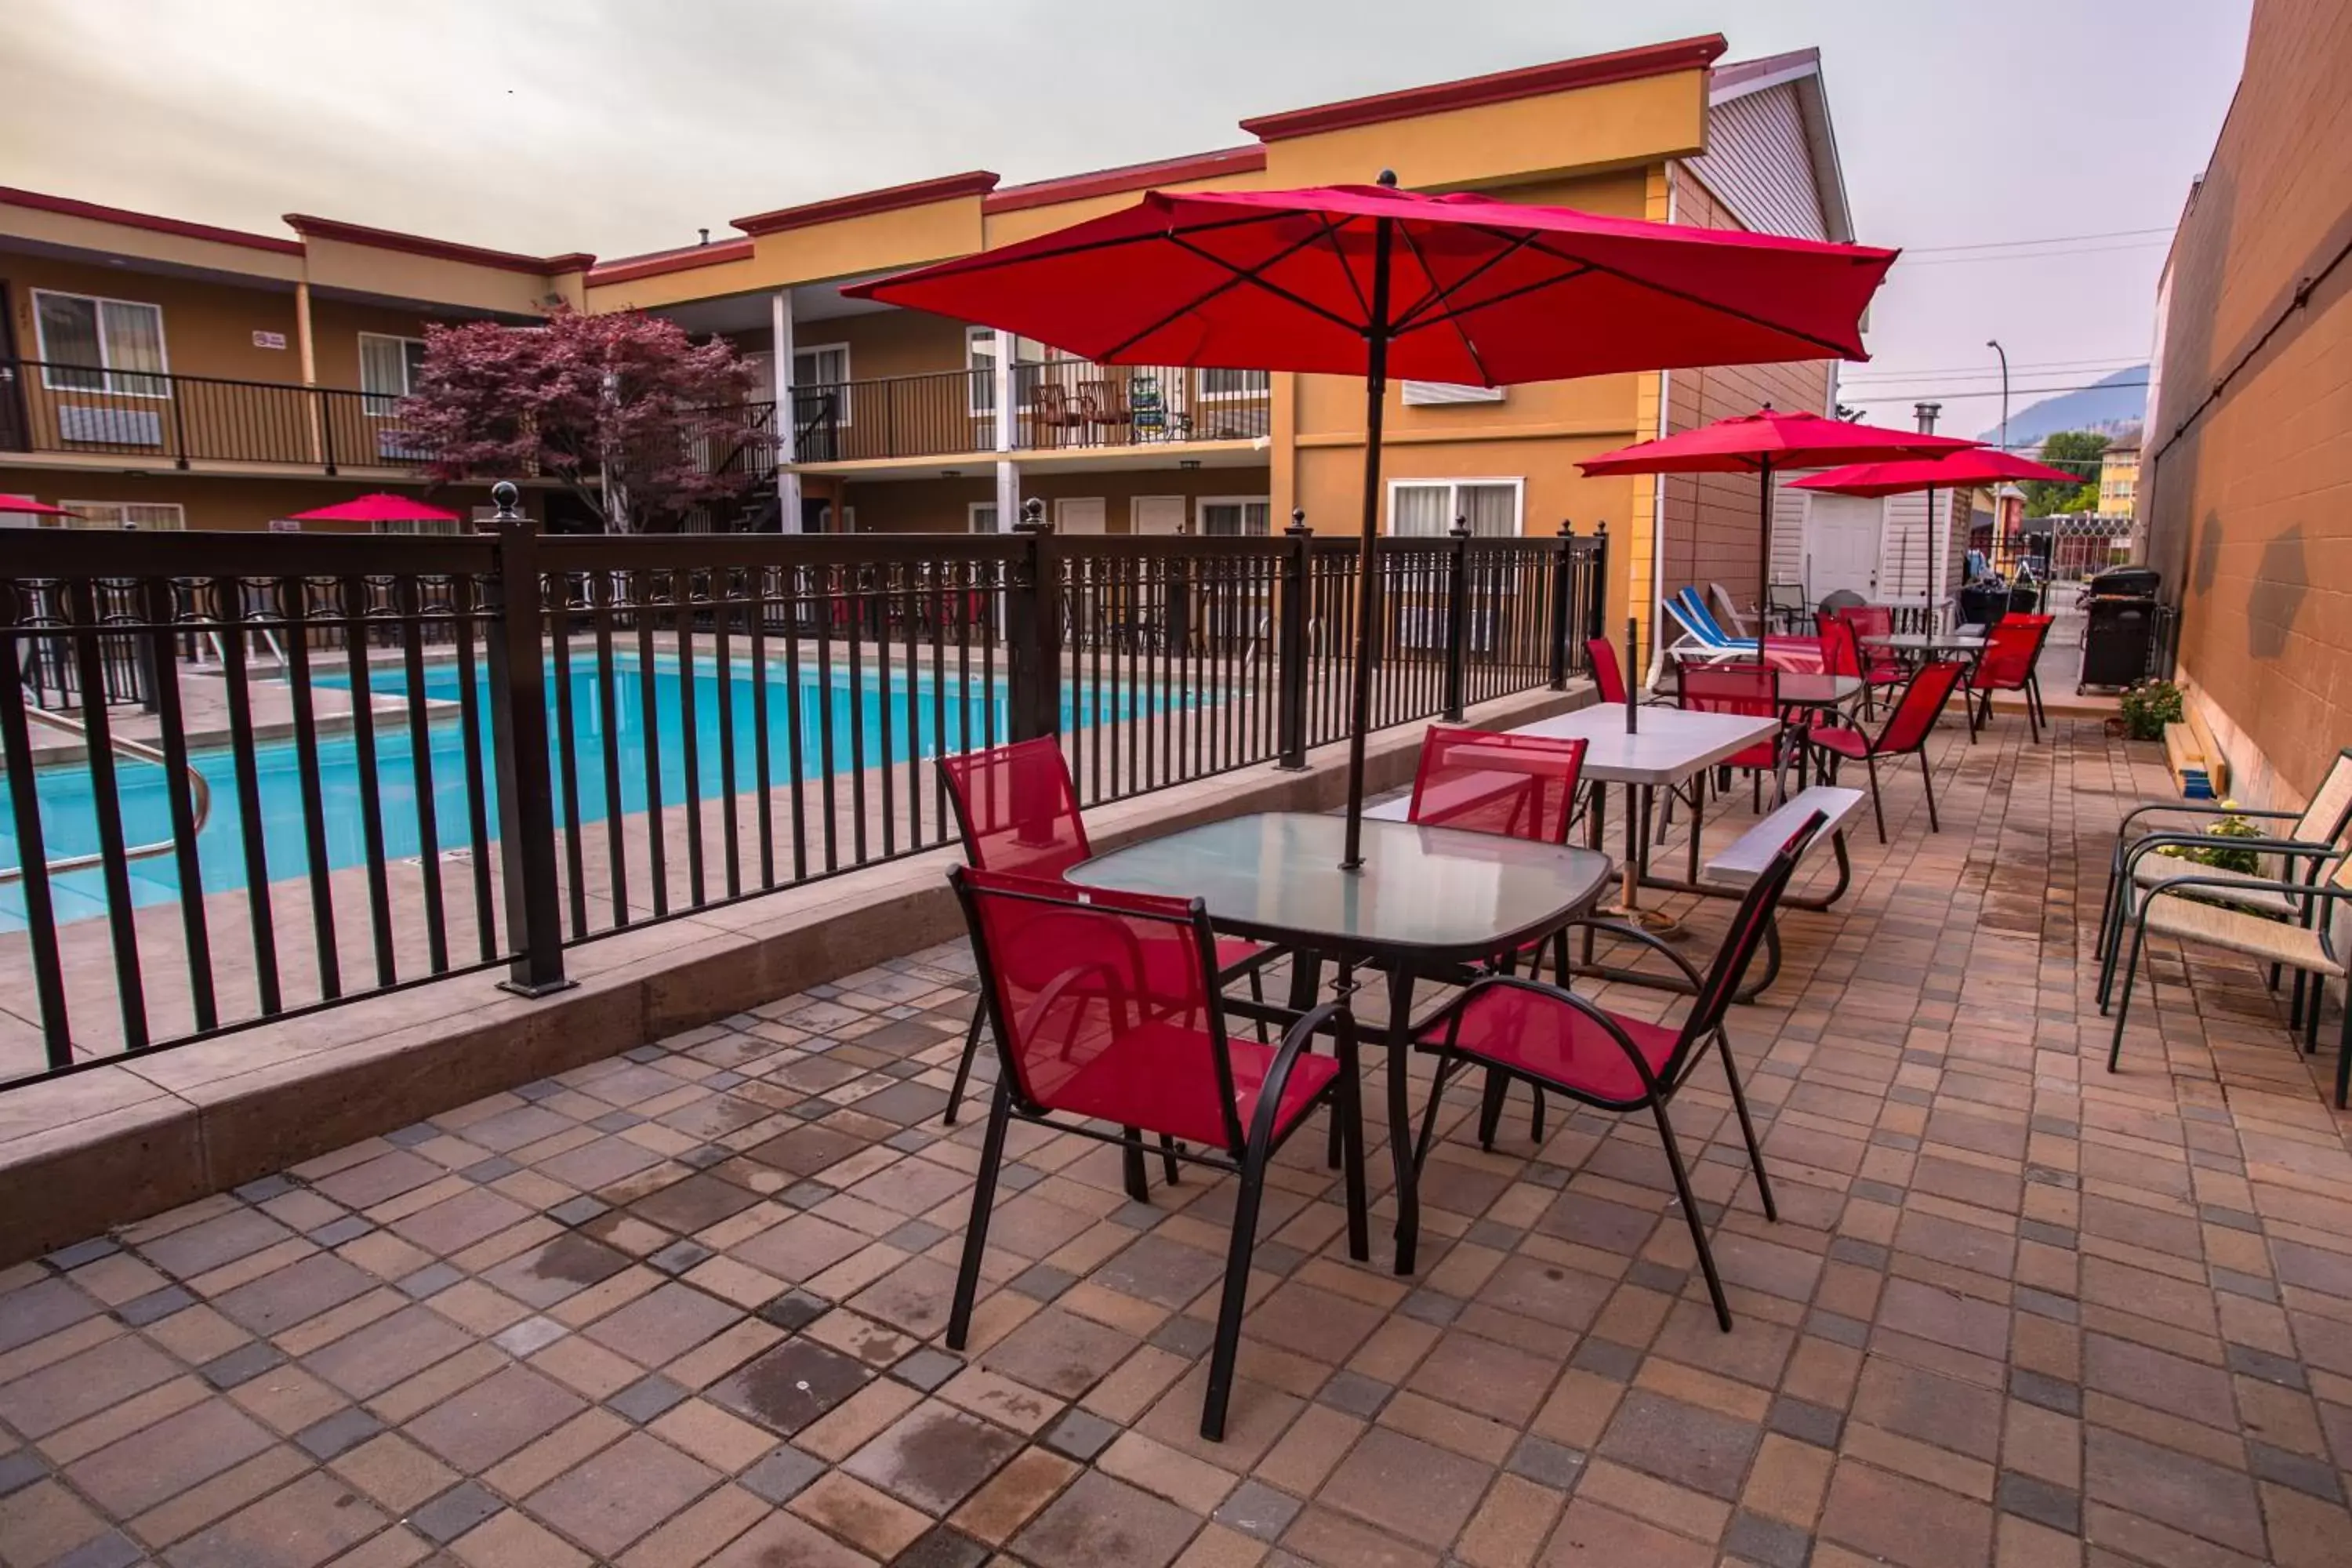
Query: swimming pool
(813, 703)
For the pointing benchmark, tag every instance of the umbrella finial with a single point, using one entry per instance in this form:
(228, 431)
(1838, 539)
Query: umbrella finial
(1387, 179)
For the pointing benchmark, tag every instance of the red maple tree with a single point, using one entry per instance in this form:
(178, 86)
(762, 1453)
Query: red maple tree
(634, 416)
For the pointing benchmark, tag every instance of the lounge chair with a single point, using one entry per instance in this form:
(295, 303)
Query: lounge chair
(1702, 639)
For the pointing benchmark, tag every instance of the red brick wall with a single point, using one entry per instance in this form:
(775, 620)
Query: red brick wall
(2247, 499)
(1711, 519)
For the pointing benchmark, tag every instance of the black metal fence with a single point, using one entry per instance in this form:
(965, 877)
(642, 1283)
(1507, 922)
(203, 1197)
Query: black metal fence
(352, 764)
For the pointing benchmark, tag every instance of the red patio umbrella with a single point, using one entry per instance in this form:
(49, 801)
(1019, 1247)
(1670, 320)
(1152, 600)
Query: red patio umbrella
(381, 507)
(1765, 441)
(1372, 280)
(32, 508)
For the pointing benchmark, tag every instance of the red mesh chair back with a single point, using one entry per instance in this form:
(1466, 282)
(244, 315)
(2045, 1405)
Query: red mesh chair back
(1916, 709)
(1104, 1004)
(1841, 654)
(1747, 931)
(1608, 675)
(1519, 786)
(1752, 690)
(2010, 649)
(1796, 655)
(1869, 620)
(1017, 809)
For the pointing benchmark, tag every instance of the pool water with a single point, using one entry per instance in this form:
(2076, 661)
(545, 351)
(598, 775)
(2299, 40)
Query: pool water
(854, 717)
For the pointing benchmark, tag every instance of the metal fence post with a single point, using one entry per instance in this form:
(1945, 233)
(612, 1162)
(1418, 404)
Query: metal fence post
(1596, 586)
(519, 742)
(1563, 589)
(1457, 619)
(1290, 644)
(1032, 623)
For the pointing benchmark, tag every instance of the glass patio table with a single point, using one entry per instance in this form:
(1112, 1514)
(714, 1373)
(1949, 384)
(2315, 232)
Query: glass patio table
(1428, 902)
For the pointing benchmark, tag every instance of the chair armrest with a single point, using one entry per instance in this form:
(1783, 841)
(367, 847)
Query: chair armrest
(2149, 844)
(1296, 1040)
(2136, 813)
(1569, 999)
(1635, 934)
(2179, 886)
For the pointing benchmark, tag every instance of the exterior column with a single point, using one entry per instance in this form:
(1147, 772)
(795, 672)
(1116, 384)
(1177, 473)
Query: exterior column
(306, 347)
(1008, 472)
(780, 348)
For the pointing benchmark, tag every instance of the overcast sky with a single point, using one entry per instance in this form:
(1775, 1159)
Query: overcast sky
(609, 126)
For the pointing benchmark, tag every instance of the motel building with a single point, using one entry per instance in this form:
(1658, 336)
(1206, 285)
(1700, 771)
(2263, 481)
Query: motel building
(162, 374)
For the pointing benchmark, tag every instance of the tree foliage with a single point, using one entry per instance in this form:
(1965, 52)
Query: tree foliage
(637, 419)
(2076, 452)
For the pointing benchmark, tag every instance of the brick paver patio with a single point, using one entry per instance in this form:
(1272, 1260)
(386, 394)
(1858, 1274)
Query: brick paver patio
(684, 1306)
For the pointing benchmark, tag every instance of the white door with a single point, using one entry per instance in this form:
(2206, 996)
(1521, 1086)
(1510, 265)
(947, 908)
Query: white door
(1841, 545)
(1080, 514)
(1157, 514)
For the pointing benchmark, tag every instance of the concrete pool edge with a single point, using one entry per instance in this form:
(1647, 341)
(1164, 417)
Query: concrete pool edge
(119, 1143)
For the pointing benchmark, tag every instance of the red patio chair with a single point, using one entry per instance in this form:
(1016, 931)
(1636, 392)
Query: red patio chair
(1517, 786)
(2011, 649)
(1752, 691)
(1017, 811)
(1842, 654)
(1614, 1062)
(1608, 675)
(1905, 733)
(1105, 1010)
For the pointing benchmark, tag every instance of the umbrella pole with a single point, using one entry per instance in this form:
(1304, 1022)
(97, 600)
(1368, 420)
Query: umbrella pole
(1763, 547)
(1368, 597)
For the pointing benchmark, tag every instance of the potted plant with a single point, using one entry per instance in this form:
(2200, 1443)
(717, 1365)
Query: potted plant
(2223, 856)
(2148, 707)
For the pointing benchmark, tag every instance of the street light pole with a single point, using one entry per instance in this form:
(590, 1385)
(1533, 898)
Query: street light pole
(1994, 344)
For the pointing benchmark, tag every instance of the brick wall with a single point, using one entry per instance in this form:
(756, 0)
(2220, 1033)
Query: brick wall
(2248, 497)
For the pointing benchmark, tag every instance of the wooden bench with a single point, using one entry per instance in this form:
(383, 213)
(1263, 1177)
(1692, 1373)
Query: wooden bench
(1742, 862)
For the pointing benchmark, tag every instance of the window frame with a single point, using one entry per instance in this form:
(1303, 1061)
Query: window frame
(1201, 505)
(106, 371)
(1265, 389)
(407, 374)
(1517, 484)
(842, 409)
(971, 511)
(1446, 393)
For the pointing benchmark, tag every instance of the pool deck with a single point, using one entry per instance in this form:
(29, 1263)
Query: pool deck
(684, 1305)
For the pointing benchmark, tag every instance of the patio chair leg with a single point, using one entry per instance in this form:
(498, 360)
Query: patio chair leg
(1535, 1119)
(2032, 714)
(1877, 810)
(1428, 1135)
(2343, 1046)
(2311, 1017)
(1490, 1106)
(1168, 1157)
(1690, 1212)
(1227, 1344)
(1746, 1127)
(1927, 781)
(964, 1063)
(1138, 1185)
(1969, 698)
(2123, 1002)
(975, 1235)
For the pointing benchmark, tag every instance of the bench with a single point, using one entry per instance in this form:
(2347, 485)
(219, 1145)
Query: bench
(1741, 863)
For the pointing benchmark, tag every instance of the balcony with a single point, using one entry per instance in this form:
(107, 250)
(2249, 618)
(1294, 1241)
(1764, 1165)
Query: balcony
(54, 410)
(1059, 405)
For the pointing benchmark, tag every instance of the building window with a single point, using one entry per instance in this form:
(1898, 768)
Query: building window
(1234, 384)
(820, 384)
(90, 344)
(389, 369)
(982, 515)
(484, 519)
(1428, 393)
(147, 516)
(1234, 515)
(1426, 509)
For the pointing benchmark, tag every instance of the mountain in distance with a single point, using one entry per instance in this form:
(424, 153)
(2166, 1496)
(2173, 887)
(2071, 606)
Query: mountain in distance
(2111, 406)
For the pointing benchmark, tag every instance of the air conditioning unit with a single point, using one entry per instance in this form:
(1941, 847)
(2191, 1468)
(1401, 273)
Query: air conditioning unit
(110, 426)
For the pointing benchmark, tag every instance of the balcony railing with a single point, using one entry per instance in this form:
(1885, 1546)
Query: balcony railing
(48, 408)
(1061, 404)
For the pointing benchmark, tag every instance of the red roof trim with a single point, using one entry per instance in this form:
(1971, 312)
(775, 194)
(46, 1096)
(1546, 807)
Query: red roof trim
(1589, 70)
(922, 193)
(307, 226)
(67, 206)
(628, 269)
(1247, 160)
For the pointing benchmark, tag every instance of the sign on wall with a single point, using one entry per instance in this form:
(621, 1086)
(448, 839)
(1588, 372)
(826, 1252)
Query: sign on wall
(268, 340)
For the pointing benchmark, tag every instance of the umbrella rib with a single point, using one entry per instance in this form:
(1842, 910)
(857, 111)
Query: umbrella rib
(1239, 277)
(1438, 296)
(1685, 295)
(986, 262)
(1331, 235)
(1477, 360)
(1459, 312)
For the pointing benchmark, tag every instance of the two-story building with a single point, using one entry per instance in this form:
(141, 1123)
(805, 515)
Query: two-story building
(139, 393)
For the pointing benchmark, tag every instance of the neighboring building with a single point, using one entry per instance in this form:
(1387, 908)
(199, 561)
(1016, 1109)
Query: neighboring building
(2248, 450)
(2119, 476)
(899, 421)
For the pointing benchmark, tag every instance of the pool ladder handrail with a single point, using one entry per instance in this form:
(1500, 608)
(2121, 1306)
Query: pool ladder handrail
(139, 751)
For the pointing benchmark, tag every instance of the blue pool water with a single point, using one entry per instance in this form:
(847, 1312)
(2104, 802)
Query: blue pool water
(70, 823)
